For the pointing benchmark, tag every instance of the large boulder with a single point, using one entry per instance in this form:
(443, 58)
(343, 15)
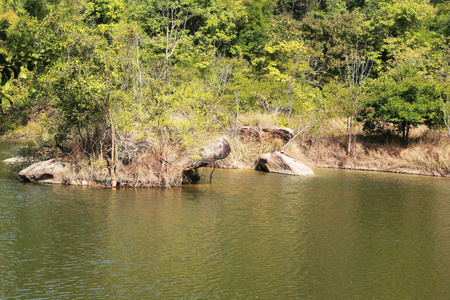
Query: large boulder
(278, 162)
(216, 150)
(49, 171)
(282, 133)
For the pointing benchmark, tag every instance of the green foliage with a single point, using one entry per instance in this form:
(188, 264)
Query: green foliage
(181, 69)
(404, 99)
(398, 18)
(331, 36)
(17, 41)
(189, 114)
(295, 8)
(81, 101)
(442, 21)
(221, 28)
(103, 11)
(254, 33)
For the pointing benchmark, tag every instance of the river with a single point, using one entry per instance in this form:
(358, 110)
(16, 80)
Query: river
(248, 235)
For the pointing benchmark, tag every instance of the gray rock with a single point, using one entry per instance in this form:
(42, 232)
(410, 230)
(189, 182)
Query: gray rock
(277, 162)
(49, 171)
(216, 150)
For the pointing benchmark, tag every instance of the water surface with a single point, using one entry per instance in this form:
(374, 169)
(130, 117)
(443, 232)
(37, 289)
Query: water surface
(337, 235)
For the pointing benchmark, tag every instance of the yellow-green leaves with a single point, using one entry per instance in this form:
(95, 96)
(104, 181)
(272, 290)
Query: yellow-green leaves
(104, 11)
(283, 61)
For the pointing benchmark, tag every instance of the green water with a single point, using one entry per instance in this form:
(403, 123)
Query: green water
(248, 235)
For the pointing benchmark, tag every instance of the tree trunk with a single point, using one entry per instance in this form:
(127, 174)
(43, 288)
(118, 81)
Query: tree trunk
(114, 156)
(349, 132)
(138, 63)
(407, 133)
(114, 153)
(403, 127)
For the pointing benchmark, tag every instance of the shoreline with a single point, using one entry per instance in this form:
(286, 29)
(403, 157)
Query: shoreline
(400, 172)
(424, 158)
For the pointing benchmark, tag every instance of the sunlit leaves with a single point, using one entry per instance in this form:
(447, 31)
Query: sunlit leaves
(403, 98)
(104, 11)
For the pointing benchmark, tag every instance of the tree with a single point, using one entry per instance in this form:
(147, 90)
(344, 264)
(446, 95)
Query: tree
(443, 77)
(295, 8)
(405, 99)
(220, 29)
(446, 111)
(254, 31)
(358, 67)
(392, 25)
(281, 71)
(166, 23)
(330, 35)
(18, 49)
(103, 12)
(85, 76)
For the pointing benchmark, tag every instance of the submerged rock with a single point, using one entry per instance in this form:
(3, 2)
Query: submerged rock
(278, 162)
(49, 171)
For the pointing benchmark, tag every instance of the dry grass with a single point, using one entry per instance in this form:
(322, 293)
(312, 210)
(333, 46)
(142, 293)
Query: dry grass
(149, 164)
(245, 152)
(427, 154)
(260, 119)
(430, 158)
(153, 167)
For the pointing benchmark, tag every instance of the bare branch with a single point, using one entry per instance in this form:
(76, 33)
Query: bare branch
(300, 130)
(358, 67)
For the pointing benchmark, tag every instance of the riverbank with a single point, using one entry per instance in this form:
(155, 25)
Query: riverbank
(150, 164)
(428, 152)
(428, 156)
(422, 158)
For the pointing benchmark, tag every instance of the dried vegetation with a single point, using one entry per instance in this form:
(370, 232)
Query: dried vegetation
(428, 152)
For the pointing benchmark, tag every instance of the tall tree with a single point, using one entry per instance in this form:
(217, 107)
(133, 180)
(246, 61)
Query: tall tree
(331, 35)
(404, 98)
(357, 71)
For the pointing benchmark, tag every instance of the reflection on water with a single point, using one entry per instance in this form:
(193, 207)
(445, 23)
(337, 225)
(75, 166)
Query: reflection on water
(337, 235)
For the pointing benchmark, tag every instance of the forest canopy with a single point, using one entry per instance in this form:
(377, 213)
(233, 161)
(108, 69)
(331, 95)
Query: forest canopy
(187, 67)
